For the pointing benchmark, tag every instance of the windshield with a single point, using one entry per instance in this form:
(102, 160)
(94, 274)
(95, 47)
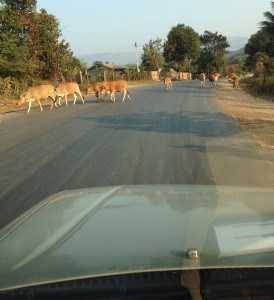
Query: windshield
(156, 120)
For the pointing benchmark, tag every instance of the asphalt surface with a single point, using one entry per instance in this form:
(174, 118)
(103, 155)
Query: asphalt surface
(160, 137)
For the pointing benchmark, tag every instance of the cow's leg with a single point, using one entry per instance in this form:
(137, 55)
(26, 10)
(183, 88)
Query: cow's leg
(97, 96)
(29, 106)
(66, 98)
(125, 92)
(128, 95)
(40, 105)
(54, 100)
(75, 97)
(80, 94)
(112, 97)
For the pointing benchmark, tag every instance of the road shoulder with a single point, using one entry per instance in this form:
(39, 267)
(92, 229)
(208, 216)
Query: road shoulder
(256, 115)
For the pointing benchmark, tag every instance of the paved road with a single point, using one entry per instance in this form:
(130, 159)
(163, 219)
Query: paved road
(181, 136)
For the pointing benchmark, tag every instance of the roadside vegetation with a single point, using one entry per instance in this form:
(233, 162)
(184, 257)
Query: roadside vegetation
(33, 52)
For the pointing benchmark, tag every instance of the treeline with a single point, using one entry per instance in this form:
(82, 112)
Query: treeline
(260, 51)
(186, 50)
(30, 46)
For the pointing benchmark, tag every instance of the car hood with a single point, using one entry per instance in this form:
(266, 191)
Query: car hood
(126, 229)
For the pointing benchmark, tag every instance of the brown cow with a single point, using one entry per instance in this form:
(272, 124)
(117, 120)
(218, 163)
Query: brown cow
(65, 89)
(96, 88)
(213, 77)
(202, 77)
(36, 93)
(115, 86)
(233, 78)
(168, 83)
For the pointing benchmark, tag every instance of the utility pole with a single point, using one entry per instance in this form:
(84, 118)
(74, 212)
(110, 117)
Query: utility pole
(137, 63)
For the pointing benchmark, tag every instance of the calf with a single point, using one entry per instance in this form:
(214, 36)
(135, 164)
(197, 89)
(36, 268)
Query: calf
(168, 83)
(96, 88)
(213, 77)
(36, 93)
(115, 86)
(202, 77)
(233, 79)
(65, 89)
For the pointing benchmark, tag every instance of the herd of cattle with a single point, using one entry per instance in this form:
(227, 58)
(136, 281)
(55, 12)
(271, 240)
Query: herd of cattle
(212, 77)
(46, 91)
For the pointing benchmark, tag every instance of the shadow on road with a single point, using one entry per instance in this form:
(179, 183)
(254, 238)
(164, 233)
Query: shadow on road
(204, 124)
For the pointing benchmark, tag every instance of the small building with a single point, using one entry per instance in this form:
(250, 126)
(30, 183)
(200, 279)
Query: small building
(106, 72)
(233, 66)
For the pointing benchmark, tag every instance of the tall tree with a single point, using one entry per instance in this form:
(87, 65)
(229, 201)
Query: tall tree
(268, 24)
(29, 43)
(28, 6)
(213, 47)
(258, 42)
(182, 46)
(14, 44)
(152, 57)
(45, 43)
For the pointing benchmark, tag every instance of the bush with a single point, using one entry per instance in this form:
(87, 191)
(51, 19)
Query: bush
(260, 85)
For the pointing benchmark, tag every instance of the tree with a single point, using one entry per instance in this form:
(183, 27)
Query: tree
(152, 57)
(268, 24)
(15, 59)
(29, 43)
(45, 44)
(97, 64)
(258, 42)
(182, 46)
(213, 47)
(27, 6)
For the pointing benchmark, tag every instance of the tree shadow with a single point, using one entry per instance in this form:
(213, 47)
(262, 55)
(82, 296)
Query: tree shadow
(203, 124)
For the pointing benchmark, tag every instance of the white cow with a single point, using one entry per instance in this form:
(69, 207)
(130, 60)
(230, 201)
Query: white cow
(202, 77)
(65, 89)
(36, 93)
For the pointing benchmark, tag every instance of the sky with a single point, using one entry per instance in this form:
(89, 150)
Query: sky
(115, 25)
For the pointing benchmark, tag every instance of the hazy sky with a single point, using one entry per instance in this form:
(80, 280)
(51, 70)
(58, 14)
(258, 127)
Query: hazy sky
(115, 25)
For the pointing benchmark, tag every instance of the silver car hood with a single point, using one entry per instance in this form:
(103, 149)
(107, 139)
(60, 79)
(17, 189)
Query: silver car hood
(126, 229)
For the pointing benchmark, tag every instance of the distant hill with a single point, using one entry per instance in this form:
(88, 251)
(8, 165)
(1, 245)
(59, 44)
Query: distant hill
(236, 42)
(120, 58)
(129, 57)
(236, 54)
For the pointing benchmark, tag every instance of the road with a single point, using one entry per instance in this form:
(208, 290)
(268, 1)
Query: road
(160, 137)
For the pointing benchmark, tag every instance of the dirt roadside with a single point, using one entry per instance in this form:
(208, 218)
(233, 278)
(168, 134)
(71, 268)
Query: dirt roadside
(256, 115)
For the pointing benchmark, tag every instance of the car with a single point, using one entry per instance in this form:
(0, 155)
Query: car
(142, 242)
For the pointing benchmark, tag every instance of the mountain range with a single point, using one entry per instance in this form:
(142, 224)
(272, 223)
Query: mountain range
(129, 57)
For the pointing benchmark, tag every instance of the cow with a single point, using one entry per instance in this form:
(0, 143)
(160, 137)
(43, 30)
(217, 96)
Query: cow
(168, 83)
(213, 77)
(65, 89)
(202, 77)
(36, 93)
(233, 79)
(96, 88)
(115, 86)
